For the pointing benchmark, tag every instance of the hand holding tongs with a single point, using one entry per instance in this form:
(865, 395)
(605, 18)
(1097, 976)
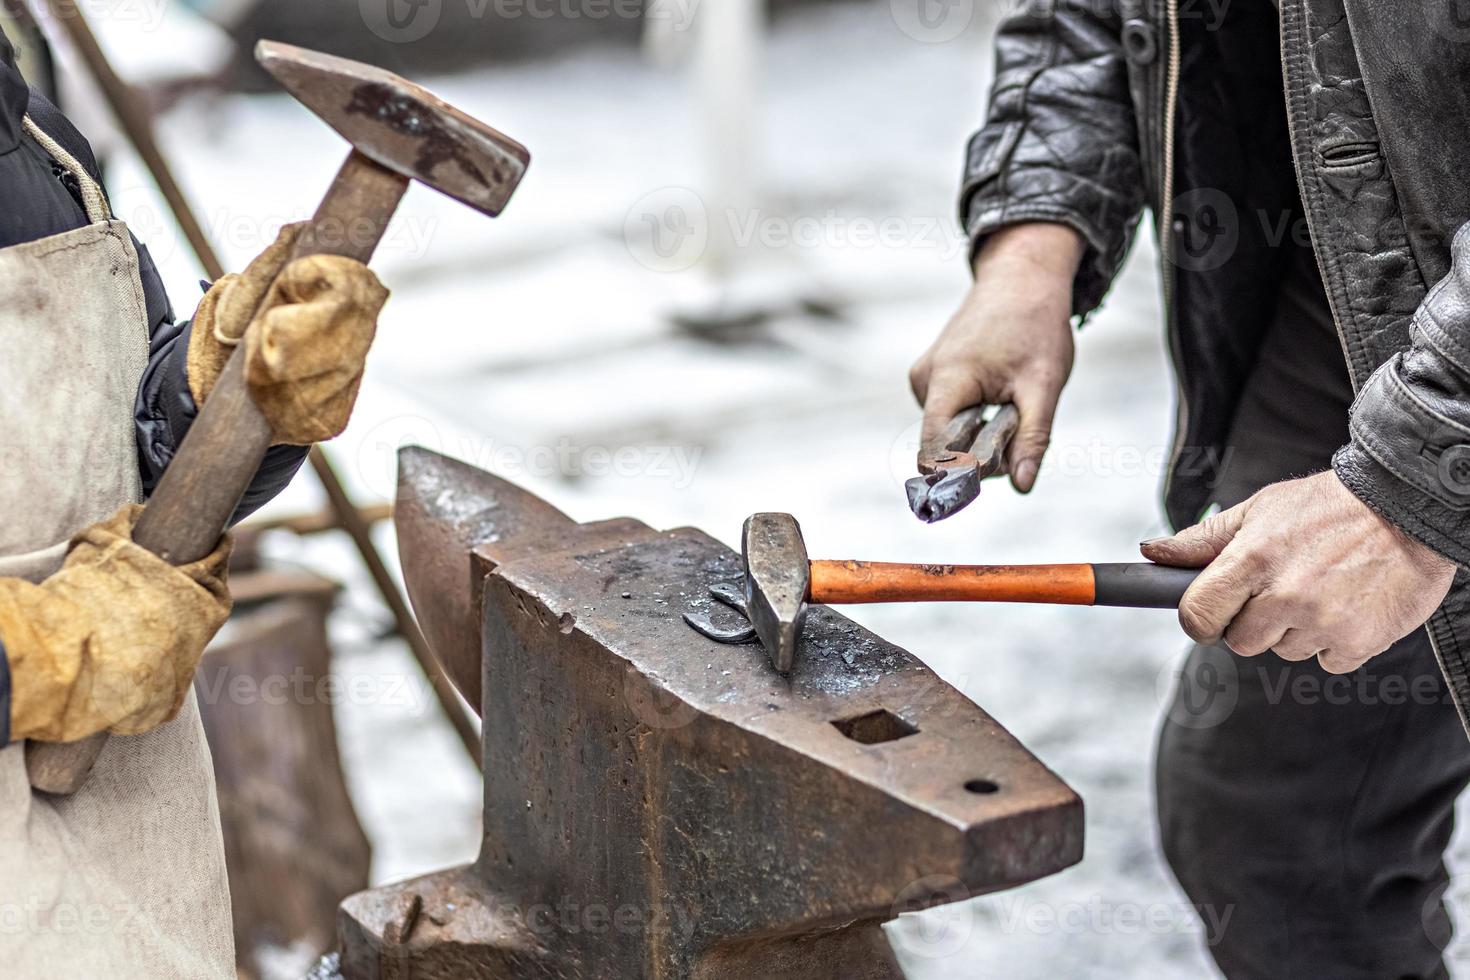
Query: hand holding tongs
(969, 449)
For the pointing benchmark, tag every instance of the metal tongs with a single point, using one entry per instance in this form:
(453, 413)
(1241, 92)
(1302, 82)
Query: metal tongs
(953, 463)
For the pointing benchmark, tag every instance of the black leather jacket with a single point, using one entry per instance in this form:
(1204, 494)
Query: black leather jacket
(1101, 107)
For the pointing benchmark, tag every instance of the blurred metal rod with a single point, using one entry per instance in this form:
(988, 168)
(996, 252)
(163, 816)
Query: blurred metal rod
(361, 533)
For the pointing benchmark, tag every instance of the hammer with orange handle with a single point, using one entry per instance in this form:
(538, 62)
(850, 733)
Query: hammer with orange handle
(780, 581)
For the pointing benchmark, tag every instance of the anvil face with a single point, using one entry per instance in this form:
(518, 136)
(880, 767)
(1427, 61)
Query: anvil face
(734, 813)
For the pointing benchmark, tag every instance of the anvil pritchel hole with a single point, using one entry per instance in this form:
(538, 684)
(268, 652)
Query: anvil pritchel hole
(982, 787)
(875, 727)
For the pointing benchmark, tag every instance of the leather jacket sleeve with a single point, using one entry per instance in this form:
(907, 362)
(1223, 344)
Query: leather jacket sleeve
(1409, 458)
(1060, 143)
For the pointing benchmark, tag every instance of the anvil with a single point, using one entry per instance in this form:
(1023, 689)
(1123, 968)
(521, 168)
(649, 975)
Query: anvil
(660, 805)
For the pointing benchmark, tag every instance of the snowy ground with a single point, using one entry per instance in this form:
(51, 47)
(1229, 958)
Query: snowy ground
(542, 345)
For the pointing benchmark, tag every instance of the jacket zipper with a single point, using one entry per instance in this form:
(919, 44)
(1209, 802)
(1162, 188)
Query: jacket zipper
(1166, 237)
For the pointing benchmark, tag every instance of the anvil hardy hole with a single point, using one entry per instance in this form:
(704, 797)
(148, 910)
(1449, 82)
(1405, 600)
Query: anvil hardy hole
(982, 787)
(875, 727)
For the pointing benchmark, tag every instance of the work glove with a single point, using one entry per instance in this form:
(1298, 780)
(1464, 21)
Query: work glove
(111, 641)
(305, 352)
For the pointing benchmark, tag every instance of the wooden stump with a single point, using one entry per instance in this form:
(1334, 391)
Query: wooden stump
(293, 842)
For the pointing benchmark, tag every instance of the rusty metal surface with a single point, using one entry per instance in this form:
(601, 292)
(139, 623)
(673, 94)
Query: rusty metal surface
(402, 126)
(660, 805)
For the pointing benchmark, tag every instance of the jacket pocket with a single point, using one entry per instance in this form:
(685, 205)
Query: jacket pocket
(1351, 158)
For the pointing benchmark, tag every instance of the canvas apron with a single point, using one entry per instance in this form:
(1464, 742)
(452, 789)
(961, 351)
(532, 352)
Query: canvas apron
(126, 878)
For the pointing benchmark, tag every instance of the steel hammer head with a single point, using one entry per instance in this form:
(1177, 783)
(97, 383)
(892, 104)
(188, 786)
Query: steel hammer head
(777, 580)
(402, 126)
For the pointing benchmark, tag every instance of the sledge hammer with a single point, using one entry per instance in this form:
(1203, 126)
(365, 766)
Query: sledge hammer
(399, 133)
(780, 581)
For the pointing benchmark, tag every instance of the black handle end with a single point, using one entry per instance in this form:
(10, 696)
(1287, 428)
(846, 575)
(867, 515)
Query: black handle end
(1142, 585)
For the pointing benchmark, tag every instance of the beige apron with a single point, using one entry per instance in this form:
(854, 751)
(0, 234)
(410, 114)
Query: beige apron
(126, 878)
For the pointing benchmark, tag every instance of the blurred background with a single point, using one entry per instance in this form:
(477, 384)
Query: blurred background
(738, 231)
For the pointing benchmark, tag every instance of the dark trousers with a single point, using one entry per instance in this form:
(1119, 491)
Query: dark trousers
(1307, 814)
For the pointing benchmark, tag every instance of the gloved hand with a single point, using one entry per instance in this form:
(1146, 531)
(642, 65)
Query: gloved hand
(110, 642)
(305, 353)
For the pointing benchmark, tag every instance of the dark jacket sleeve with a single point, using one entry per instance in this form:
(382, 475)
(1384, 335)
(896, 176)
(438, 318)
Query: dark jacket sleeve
(165, 410)
(1409, 458)
(1059, 143)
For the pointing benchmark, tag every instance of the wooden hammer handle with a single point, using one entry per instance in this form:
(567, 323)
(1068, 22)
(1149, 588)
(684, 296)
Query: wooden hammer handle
(203, 485)
(1138, 585)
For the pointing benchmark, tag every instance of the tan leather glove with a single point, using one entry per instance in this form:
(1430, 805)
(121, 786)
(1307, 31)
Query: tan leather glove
(110, 642)
(305, 353)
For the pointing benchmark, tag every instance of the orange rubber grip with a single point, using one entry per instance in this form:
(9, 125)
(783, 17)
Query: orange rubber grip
(868, 582)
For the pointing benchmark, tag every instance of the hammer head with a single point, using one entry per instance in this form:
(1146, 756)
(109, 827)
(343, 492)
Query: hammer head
(777, 579)
(401, 126)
